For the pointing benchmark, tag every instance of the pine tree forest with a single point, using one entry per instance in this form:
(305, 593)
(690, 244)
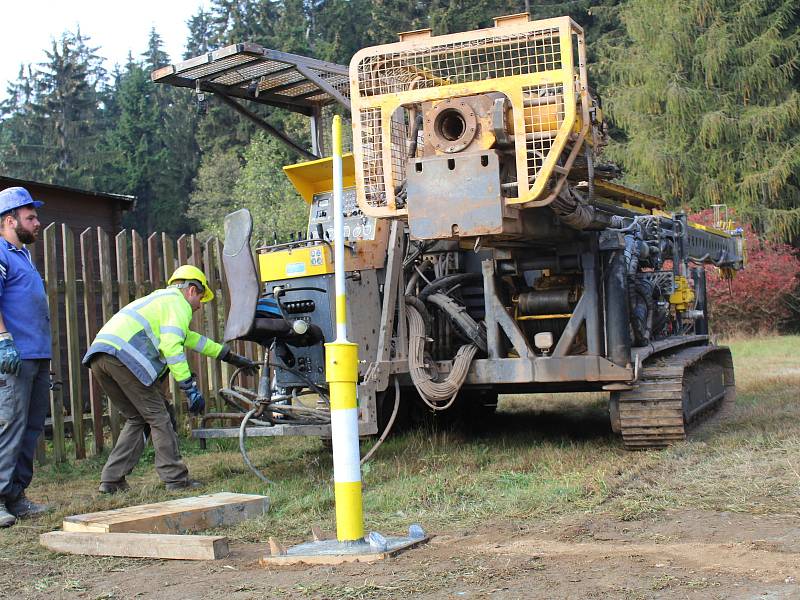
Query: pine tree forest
(703, 98)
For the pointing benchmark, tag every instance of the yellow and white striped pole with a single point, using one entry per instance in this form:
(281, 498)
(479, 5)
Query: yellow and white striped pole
(341, 372)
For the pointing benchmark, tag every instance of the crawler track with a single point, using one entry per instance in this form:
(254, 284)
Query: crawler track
(675, 389)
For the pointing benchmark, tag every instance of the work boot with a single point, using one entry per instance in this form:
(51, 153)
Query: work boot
(112, 487)
(23, 507)
(6, 518)
(183, 484)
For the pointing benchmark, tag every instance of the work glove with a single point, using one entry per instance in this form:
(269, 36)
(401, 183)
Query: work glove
(248, 366)
(193, 396)
(10, 360)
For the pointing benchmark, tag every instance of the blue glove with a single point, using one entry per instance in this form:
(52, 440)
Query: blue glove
(10, 360)
(193, 395)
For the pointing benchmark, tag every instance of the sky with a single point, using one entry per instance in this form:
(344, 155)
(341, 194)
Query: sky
(116, 26)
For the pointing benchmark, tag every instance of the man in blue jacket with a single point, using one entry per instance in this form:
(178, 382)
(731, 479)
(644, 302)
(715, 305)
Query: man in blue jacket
(24, 353)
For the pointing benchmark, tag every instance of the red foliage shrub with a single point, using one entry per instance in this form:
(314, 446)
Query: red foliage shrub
(760, 298)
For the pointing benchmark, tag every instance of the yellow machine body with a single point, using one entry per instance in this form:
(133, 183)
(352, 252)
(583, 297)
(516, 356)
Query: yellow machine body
(544, 105)
(316, 176)
(296, 262)
(312, 180)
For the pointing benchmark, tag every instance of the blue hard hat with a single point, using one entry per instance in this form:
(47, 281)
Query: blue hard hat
(14, 197)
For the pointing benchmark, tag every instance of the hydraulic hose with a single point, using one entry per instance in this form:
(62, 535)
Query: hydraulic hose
(243, 449)
(415, 276)
(435, 392)
(423, 310)
(386, 431)
(460, 318)
(448, 281)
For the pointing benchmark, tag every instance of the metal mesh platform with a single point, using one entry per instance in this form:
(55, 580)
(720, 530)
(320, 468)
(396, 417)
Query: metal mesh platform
(251, 72)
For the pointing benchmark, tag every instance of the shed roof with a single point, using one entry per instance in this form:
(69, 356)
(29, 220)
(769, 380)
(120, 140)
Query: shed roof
(125, 199)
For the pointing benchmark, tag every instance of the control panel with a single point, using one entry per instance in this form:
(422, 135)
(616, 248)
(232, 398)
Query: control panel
(357, 225)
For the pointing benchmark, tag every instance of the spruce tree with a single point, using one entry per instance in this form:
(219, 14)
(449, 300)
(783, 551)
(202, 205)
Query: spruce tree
(200, 34)
(65, 107)
(705, 93)
(21, 131)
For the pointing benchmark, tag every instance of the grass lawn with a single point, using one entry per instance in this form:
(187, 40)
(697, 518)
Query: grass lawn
(542, 456)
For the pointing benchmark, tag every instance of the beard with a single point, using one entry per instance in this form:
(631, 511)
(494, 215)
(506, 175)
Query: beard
(25, 236)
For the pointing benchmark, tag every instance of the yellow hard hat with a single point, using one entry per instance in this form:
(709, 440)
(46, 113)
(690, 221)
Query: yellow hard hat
(192, 273)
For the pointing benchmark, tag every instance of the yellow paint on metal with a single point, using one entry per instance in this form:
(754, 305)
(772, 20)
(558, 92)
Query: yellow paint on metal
(349, 510)
(296, 262)
(341, 309)
(543, 118)
(543, 317)
(567, 75)
(629, 196)
(316, 176)
(341, 363)
(683, 296)
(636, 209)
(343, 395)
(713, 230)
(337, 134)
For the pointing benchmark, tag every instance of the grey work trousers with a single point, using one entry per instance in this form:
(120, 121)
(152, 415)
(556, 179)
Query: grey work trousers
(24, 400)
(140, 405)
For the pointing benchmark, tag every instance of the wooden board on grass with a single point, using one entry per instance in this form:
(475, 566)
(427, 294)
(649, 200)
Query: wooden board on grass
(173, 516)
(140, 545)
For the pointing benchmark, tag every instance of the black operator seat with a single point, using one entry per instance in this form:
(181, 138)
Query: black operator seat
(246, 321)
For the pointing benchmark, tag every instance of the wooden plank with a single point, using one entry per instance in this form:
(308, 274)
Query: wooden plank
(199, 325)
(212, 322)
(73, 349)
(223, 302)
(40, 453)
(168, 246)
(153, 262)
(139, 290)
(173, 516)
(91, 327)
(107, 307)
(194, 362)
(56, 394)
(123, 276)
(140, 545)
(254, 349)
(123, 284)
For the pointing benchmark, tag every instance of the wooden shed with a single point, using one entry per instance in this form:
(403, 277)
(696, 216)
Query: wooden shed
(78, 208)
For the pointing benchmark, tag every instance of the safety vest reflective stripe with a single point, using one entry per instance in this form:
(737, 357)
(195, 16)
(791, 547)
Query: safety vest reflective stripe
(128, 312)
(147, 347)
(201, 343)
(165, 329)
(142, 302)
(174, 360)
(140, 359)
(135, 336)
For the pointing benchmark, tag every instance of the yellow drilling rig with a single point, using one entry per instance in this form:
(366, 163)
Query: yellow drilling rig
(488, 249)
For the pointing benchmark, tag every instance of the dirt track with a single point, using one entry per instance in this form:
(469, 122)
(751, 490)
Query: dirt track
(686, 554)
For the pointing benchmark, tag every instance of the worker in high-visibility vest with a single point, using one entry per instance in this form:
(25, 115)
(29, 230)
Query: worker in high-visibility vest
(129, 358)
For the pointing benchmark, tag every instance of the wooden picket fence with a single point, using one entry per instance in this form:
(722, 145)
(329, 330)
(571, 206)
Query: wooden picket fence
(88, 278)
